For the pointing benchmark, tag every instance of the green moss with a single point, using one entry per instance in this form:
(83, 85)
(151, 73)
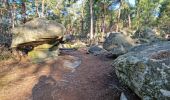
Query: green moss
(43, 46)
(141, 66)
(36, 54)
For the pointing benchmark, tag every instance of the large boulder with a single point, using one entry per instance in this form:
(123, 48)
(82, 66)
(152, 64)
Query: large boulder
(146, 35)
(118, 44)
(39, 30)
(146, 70)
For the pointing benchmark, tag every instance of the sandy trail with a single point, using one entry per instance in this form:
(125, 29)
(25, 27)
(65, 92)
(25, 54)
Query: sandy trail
(94, 79)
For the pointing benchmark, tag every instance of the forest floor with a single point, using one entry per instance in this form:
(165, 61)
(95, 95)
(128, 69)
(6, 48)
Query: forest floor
(94, 79)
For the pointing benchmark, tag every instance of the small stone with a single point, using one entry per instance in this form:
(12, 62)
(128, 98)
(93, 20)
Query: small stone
(123, 97)
(72, 62)
(96, 50)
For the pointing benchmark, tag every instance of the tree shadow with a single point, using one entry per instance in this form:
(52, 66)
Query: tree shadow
(43, 89)
(5, 34)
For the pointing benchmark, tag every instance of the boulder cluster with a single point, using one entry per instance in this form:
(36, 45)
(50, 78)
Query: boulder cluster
(142, 63)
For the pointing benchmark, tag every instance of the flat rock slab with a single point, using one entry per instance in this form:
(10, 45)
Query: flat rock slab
(96, 50)
(72, 62)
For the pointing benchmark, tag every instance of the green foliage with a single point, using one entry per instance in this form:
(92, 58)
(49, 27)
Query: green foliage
(75, 14)
(164, 16)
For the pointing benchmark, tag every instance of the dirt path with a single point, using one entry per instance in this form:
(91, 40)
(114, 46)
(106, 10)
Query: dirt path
(94, 79)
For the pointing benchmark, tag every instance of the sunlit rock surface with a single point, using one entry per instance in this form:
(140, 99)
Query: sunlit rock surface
(146, 70)
(146, 35)
(118, 43)
(42, 52)
(39, 29)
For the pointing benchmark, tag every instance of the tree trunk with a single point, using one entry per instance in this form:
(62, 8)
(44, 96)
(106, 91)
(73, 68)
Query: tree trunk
(43, 8)
(82, 19)
(91, 20)
(111, 22)
(118, 20)
(13, 16)
(13, 13)
(103, 23)
(129, 20)
(4, 3)
(37, 10)
(82, 26)
(23, 12)
(118, 17)
(10, 13)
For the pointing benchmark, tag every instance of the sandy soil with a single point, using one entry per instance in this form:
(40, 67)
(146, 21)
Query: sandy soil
(94, 79)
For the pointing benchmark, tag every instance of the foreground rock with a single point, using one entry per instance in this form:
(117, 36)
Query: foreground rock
(118, 44)
(36, 32)
(38, 38)
(146, 70)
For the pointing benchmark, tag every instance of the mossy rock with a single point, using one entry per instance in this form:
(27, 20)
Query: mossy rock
(146, 70)
(42, 52)
(75, 45)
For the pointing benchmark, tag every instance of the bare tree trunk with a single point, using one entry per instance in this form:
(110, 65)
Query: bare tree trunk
(118, 20)
(129, 20)
(13, 16)
(24, 12)
(10, 12)
(118, 17)
(91, 20)
(82, 20)
(43, 8)
(82, 26)
(37, 10)
(111, 22)
(4, 2)
(138, 16)
(13, 12)
(103, 23)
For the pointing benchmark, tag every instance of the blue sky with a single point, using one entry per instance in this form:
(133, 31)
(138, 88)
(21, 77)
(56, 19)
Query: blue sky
(116, 6)
(132, 2)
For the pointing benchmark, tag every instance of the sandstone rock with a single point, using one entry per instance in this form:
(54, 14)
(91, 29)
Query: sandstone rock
(74, 45)
(146, 70)
(42, 52)
(39, 29)
(118, 43)
(96, 50)
(146, 35)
